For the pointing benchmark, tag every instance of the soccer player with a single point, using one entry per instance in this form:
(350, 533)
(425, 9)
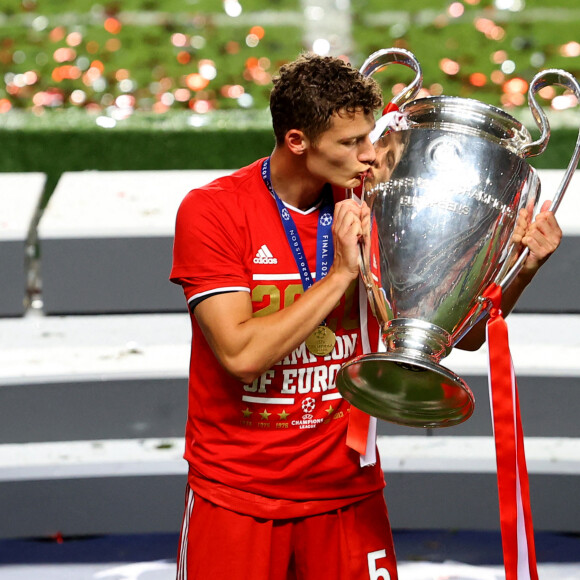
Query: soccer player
(268, 261)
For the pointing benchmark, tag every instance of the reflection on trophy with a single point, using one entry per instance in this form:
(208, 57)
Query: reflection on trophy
(444, 199)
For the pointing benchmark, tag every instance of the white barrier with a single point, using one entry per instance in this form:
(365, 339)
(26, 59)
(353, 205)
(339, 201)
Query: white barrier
(20, 195)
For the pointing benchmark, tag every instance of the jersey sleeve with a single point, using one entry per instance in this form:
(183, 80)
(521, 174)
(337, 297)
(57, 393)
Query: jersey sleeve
(208, 248)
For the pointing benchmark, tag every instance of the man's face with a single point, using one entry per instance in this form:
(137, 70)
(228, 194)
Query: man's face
(343, 154)
(389, 149)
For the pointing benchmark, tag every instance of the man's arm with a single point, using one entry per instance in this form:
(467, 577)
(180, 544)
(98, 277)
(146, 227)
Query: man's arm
(248, 346)
(542, 237)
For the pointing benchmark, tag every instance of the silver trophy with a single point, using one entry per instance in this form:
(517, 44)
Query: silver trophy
(444, 199)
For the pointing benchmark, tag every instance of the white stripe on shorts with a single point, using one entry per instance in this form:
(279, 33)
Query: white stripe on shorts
(182, 571)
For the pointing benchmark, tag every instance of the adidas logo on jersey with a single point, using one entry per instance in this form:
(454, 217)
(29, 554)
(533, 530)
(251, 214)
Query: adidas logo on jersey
(264, 256)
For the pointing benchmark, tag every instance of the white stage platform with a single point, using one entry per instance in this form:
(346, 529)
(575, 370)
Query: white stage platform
(93, 381)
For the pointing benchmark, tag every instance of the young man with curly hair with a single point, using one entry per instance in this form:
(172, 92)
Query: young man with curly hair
(269, 266)
(268, 261)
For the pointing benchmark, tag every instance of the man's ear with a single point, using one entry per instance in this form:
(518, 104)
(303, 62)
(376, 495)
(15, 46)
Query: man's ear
(296, 141)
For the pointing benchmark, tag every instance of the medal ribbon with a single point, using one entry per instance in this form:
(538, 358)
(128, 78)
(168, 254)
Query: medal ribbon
(512, 475)
(324, 245)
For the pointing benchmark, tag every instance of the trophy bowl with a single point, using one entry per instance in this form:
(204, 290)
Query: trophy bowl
(444, 198)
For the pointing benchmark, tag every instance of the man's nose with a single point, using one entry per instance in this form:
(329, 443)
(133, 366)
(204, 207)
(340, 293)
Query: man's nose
(367, 153)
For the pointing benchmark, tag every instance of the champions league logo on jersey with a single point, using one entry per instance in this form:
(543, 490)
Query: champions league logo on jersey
(308, 406)
(307, 421)
(285, 214)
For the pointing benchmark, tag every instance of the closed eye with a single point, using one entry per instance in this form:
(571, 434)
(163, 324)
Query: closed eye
(354, 141)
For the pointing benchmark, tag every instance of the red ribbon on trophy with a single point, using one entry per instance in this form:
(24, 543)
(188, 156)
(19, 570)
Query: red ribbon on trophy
(358, 430)
(362, 433)
(515, 512)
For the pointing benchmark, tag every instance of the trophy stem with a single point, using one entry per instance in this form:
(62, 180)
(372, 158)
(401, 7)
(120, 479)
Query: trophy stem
(416, 339)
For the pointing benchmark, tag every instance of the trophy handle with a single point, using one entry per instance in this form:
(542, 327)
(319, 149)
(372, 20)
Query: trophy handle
(543, 79)
(382, 58)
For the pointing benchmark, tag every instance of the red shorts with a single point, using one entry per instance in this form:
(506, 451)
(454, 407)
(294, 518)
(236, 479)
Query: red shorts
(352, 543)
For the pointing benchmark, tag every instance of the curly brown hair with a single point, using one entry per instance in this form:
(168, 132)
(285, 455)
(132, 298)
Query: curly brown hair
(310, 89)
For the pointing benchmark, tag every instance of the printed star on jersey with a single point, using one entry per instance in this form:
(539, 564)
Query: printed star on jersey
(265, 415)
(330, 410)
(283, 415)
(246, 412)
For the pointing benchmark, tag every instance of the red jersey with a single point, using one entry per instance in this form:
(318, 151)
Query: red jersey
(276, 447)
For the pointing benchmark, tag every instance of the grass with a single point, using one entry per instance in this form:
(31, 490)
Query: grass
(50, 7)
(152, 65)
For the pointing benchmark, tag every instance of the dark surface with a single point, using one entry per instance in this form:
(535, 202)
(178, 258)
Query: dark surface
(474, 548)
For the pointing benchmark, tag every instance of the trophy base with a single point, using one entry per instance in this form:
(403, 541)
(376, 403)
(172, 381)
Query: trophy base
(405, 390)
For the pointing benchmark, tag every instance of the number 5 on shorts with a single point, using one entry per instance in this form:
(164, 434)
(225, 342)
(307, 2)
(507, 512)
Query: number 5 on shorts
(374, 572)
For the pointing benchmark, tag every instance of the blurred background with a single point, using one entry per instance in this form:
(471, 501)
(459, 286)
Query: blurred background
(177, 66)
(116, 58)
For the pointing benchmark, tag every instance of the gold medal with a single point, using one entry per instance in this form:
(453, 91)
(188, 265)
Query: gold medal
(321, 341)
